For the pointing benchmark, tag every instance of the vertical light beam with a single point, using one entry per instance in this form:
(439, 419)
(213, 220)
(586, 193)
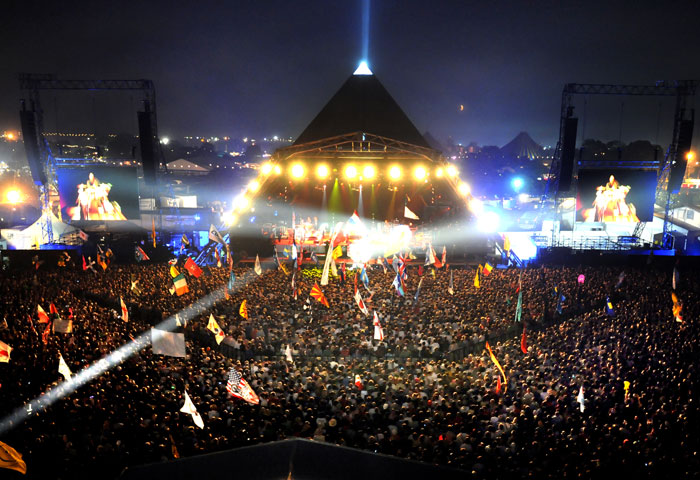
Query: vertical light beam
(365, 30)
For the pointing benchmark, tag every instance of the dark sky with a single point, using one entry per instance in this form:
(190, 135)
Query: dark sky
(267, 67)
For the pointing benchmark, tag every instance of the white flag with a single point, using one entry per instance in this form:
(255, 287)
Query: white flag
(360, 303)
(580, 398)
(168, 343)
(327, 264)
(63, 368)
(189, 408)
(288, 354)
(378, 332)
(215, 236)
(409, 214)
(258, 268)
(214, 328)
(451, 287)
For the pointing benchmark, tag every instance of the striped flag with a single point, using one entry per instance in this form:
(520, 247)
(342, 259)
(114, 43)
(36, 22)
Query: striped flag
(318, 295)
(239, 388)
(125, 311)
(43, 318)
(498, 365)
(180, 285)
(378, 332)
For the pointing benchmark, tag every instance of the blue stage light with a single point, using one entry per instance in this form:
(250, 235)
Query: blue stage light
(517, 183)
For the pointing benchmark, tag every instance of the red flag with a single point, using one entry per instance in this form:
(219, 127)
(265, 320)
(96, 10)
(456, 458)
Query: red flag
(420, 270)
(84, 264)
(193, 268)
(318, 295)
(125, 311)
(523, 342)
(52, 309)
(31, 324)
(43, 318)
(218, 258)
(45, 335)
(498, 385)
(339, 238)
(358, 382)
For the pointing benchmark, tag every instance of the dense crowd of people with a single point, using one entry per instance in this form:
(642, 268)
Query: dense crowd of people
(427, 392)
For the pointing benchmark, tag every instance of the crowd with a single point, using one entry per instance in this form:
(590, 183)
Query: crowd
(417, 399)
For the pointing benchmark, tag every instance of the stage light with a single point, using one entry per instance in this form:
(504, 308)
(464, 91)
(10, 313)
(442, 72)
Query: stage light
(395, 172)
(488, 222)
(10, 136)
(439, 172)
(451, 171)
(13, 196)
(165, 140)
(464, 189)
(476, 206)
(298, 170)
(690, 156)
(350, 171)
(523, 197)
(266, 168)
(240, 202)
(277, 170)
(254, 186)
(322, 171)
(517, 183)
(368, 172)
(419, 173)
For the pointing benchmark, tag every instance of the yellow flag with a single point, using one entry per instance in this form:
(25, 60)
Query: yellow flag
(11, 459)
(477, 284)
(244, 309)
(173, 271)
(284, 268)
(337, 252)
(153, 229)
(506, 243)
(498, 366)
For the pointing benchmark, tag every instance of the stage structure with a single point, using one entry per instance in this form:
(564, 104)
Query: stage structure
(360, 153)
(669, 171)
(42, 161)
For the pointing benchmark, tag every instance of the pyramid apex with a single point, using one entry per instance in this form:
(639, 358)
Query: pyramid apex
(363, 69)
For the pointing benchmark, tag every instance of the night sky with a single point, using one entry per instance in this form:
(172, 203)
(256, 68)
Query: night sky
(259, 68)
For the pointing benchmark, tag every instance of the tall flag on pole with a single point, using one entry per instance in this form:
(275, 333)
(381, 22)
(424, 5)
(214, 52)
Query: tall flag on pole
(218, 257)
(437, 262)
(523, 342)
(11, 459)
(580, 399)
(138, 252)
(153, 230)
(63, 368)
(190, 409)
(231, 280)
(125, 311)
(477, 283)
(318, 295)
(675, 279)
(327, 263)
(609, 307)
(184, 240)
(506, 244)
(213, 327)
(364, 277)
(409, 214)
(378, 332)
(239, 388)
(43, 318)
(192, 268)
(360, 302)
(215, 236)
(243, 311)
(498, 365)
(258, 267)
(444, 255)
(415, 297)
(397, 285)
(519, 308)
(487, 269)
(451, 286)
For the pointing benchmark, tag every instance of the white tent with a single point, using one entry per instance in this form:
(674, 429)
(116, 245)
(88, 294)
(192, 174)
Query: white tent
(32, 236)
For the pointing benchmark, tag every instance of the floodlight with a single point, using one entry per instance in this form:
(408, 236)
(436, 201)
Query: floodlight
(298, 170)
(419, 173)
(350, 171)
(395, 172)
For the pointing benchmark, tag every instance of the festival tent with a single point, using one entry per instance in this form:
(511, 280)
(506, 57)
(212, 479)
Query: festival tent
(32, 236)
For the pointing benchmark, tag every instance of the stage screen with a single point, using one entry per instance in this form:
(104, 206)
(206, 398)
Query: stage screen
(98, 192)
(615, 195)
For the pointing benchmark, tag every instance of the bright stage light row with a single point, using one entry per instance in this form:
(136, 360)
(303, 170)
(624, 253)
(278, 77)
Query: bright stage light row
(359, 172)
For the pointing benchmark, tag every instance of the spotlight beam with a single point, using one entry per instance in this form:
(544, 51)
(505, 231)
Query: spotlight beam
(115, 358)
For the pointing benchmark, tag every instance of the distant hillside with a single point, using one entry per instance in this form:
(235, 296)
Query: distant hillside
(522, 146)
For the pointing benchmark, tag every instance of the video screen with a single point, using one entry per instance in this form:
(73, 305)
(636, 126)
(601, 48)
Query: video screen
(98, 193)
(615, 195)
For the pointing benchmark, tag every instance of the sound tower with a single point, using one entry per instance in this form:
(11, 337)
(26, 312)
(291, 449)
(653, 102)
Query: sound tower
(685, 138)
(568, 150)
(31, 146)
(147, 142)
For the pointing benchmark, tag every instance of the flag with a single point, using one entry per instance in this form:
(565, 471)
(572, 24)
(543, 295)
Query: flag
(184, 240)
(580, 398)
(5, 351)
(560, 301)
(258, 267)
(218, 257)
(173, 448)
(213, 327)
(415, 297)
(444, 255)
(451, 287)
(620, 279)
(288, 354)
(31, 324)
(498, 365)
(519, 308)
(397, 285)
(523, 342)
(487, 269)
(402, 269)
(337, 252)
(581, 279)
(364, 277)
(138, 252)
(327, 264)
(180, 285)
(125, 311)
(675, 278)
(168, 343)
(314, 258)
(477, 284)
(45, 334)
(420, 270)
(192, 268)
(360, 303)
(62, 326)
(43, 318)
(677, 308)
(358, 381)
(83, 236)
(231, 280)
(409, 214)
(153, 230)
(294, 285)
(318, 295)
(238, 387)
(243, 311)
(378, 332)
(63, 368)
(134, 286)
(11, 459)
(172, 261)
(609, 307)
(190, 409)
(173, 271)
(506, 244)
(215, 236)
(430, 256)
(101, 262)
(342, 274)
